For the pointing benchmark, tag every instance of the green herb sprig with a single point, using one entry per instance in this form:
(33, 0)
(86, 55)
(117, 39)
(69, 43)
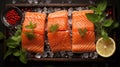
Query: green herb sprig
(30, 35)
(2, 36)
(54, 28)
(82, 32)
(14, 46)
(102, 23)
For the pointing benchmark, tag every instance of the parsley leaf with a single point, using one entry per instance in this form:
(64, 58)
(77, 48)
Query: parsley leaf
(31, 25)
(82, 32)
(30, 35)
(54, 28)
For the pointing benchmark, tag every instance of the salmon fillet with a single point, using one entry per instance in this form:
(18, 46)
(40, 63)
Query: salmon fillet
(37, 43)
(34, 45)
(60, 18)
(62, 13)
(35, 18)
(59, 40)
(85, 44)
(80, 21)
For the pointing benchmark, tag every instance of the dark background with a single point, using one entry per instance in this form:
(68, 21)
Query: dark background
(16, 63)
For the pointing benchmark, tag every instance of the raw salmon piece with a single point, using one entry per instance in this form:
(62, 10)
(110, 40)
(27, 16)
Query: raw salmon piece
(35, 18)
(77, 39)
(79, 20)
(60, 18)
(83, 48)
(82, 12)
(62, 23)
(62, 13)
(59, 41)
(83, 44)
(34, 45)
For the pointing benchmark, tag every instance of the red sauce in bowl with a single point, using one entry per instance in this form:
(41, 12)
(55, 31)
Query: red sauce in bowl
(12, 17)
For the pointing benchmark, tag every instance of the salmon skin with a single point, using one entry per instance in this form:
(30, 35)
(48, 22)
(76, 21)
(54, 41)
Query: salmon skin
(37, 43)
(59, 40)
(79, 43)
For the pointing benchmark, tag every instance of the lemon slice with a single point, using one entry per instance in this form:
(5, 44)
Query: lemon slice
(105, 48)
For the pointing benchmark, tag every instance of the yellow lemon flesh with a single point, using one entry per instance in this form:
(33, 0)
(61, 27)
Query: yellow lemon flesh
(105, 47)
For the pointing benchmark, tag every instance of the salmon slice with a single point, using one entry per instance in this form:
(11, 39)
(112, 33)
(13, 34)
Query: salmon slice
(62, 23)
(85, 44)
(79, 20)
(79, 43)
(35, 18)
(36, 44)
(62, 13)
(60, 18)
(59, 41)
(83, 48)
(77, 39)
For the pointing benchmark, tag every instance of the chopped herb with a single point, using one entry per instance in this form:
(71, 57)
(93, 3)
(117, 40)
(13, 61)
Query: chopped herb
(2, 36)
(30, 35)
(54, 28)
(31, 25)
(82, 32)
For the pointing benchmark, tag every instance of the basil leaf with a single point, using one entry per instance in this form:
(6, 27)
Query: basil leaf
(31, 25)
(2, 36)
(54, 28)
(115, 25)
(9, 52)
(82, 32)
(30, 35)
(92, 17)
(93, 8)
(17, 38)
(102, 5)
(17, 53)
(104, 34)
(18, 32)
(12, 44)
(22, 57)
(108, 23)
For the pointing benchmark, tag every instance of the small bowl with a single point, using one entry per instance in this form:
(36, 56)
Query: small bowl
(4, 14)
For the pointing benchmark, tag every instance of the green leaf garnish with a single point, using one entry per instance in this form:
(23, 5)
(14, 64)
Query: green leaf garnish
(22, 57)
(31, 25)
(9, 52)
(2, 36)
(54, 28)
(16, 53)
(104, 34)
(115, 25)
(82, 32)
(102, 5)
(108, 22)
(30, 35)
(92, 17)
(14, 46)
(99, 18)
